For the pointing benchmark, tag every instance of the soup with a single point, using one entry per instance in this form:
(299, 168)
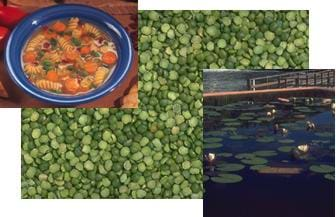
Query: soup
(69, 57)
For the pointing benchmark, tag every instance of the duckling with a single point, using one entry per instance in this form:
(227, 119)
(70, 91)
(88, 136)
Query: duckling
(304, 148)
(284, 131)
(310, 125)
(273, 111)
(210, 157)
(301, 152)
(269, 114)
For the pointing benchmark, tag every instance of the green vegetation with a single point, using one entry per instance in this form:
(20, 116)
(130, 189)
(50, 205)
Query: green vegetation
(223, 39)
(111, 153)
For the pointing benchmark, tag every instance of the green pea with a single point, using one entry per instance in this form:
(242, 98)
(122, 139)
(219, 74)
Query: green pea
(88, 165)
(36, 133)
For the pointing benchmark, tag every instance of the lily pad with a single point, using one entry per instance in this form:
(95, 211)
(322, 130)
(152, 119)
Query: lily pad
(229, 120)
(212, 145)
(244, 155)
(213, 133)
(255, 121)
(205, 178)
(230, 167)
(238, 137)
(330, 177)
(268, 106)
(212, 139)
(322, 168)
(285, 149)
(265, 153)
(212, 113)
(258, 167)
(232, 129)
(324, 134)
(232, 124)
(225, 154)
(265, 139)
(227, 178)
(248, 114)
(265, 119)
(245, 118)
(254, 161)
(286, 141)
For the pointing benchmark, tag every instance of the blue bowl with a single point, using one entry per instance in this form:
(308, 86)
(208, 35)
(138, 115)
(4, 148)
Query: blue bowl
(33, 22)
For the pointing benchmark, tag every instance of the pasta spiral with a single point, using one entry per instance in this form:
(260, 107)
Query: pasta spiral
(33, 69)
(53, 56)
(91, 29)
(34, 42)
(65, 44)
(48, 85)
(100, 76)
(76, 33)
(86, 82)
(73, 23)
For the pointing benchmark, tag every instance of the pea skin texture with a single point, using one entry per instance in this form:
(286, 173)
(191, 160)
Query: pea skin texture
(118, 153)
(173, 40)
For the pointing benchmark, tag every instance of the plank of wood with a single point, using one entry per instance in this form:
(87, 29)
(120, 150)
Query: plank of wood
(281, 170)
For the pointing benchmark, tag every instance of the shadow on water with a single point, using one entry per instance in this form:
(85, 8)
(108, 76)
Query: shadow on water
(267, 195)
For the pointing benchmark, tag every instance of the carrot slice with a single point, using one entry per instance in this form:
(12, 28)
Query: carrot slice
(71, 85)
(85, 50)
(109, 57)
(71, 55)
(52, 76)
(90, 67)
(50, 35)
(59, 26)
(29, 56)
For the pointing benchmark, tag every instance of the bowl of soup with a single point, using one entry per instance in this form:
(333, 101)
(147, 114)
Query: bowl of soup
(68, 54)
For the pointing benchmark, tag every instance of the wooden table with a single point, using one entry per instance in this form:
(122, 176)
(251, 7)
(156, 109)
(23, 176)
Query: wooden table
(124, 11)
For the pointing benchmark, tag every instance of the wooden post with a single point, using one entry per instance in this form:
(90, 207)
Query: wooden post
(279, 80)
(285, 85)
(328, 80)
(248, 84)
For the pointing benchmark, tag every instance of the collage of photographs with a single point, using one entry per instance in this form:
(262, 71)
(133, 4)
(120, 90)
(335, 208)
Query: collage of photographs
(122, 103)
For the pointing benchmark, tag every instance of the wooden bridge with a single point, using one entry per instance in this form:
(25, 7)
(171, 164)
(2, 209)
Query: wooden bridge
(307, 78)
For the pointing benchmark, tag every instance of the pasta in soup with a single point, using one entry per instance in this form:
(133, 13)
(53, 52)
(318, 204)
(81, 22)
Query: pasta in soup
(69, 57)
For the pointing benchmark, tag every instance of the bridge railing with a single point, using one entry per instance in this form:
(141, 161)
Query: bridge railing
(308, 78)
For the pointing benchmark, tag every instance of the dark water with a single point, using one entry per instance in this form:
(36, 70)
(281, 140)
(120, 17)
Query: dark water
(215, 81)
(266, 195)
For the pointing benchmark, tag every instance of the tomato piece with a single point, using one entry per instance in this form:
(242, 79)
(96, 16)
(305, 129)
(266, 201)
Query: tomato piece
(10, 16)
(4, 33)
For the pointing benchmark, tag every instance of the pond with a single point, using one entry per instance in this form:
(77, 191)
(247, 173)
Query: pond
(271, 158)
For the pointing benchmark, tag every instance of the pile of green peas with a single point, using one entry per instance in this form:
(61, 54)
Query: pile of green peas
(223, 39)
(109, 153)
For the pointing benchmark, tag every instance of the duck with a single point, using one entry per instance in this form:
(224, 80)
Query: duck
(310, 125)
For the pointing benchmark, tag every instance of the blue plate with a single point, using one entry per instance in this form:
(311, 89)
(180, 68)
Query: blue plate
(33, 22)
